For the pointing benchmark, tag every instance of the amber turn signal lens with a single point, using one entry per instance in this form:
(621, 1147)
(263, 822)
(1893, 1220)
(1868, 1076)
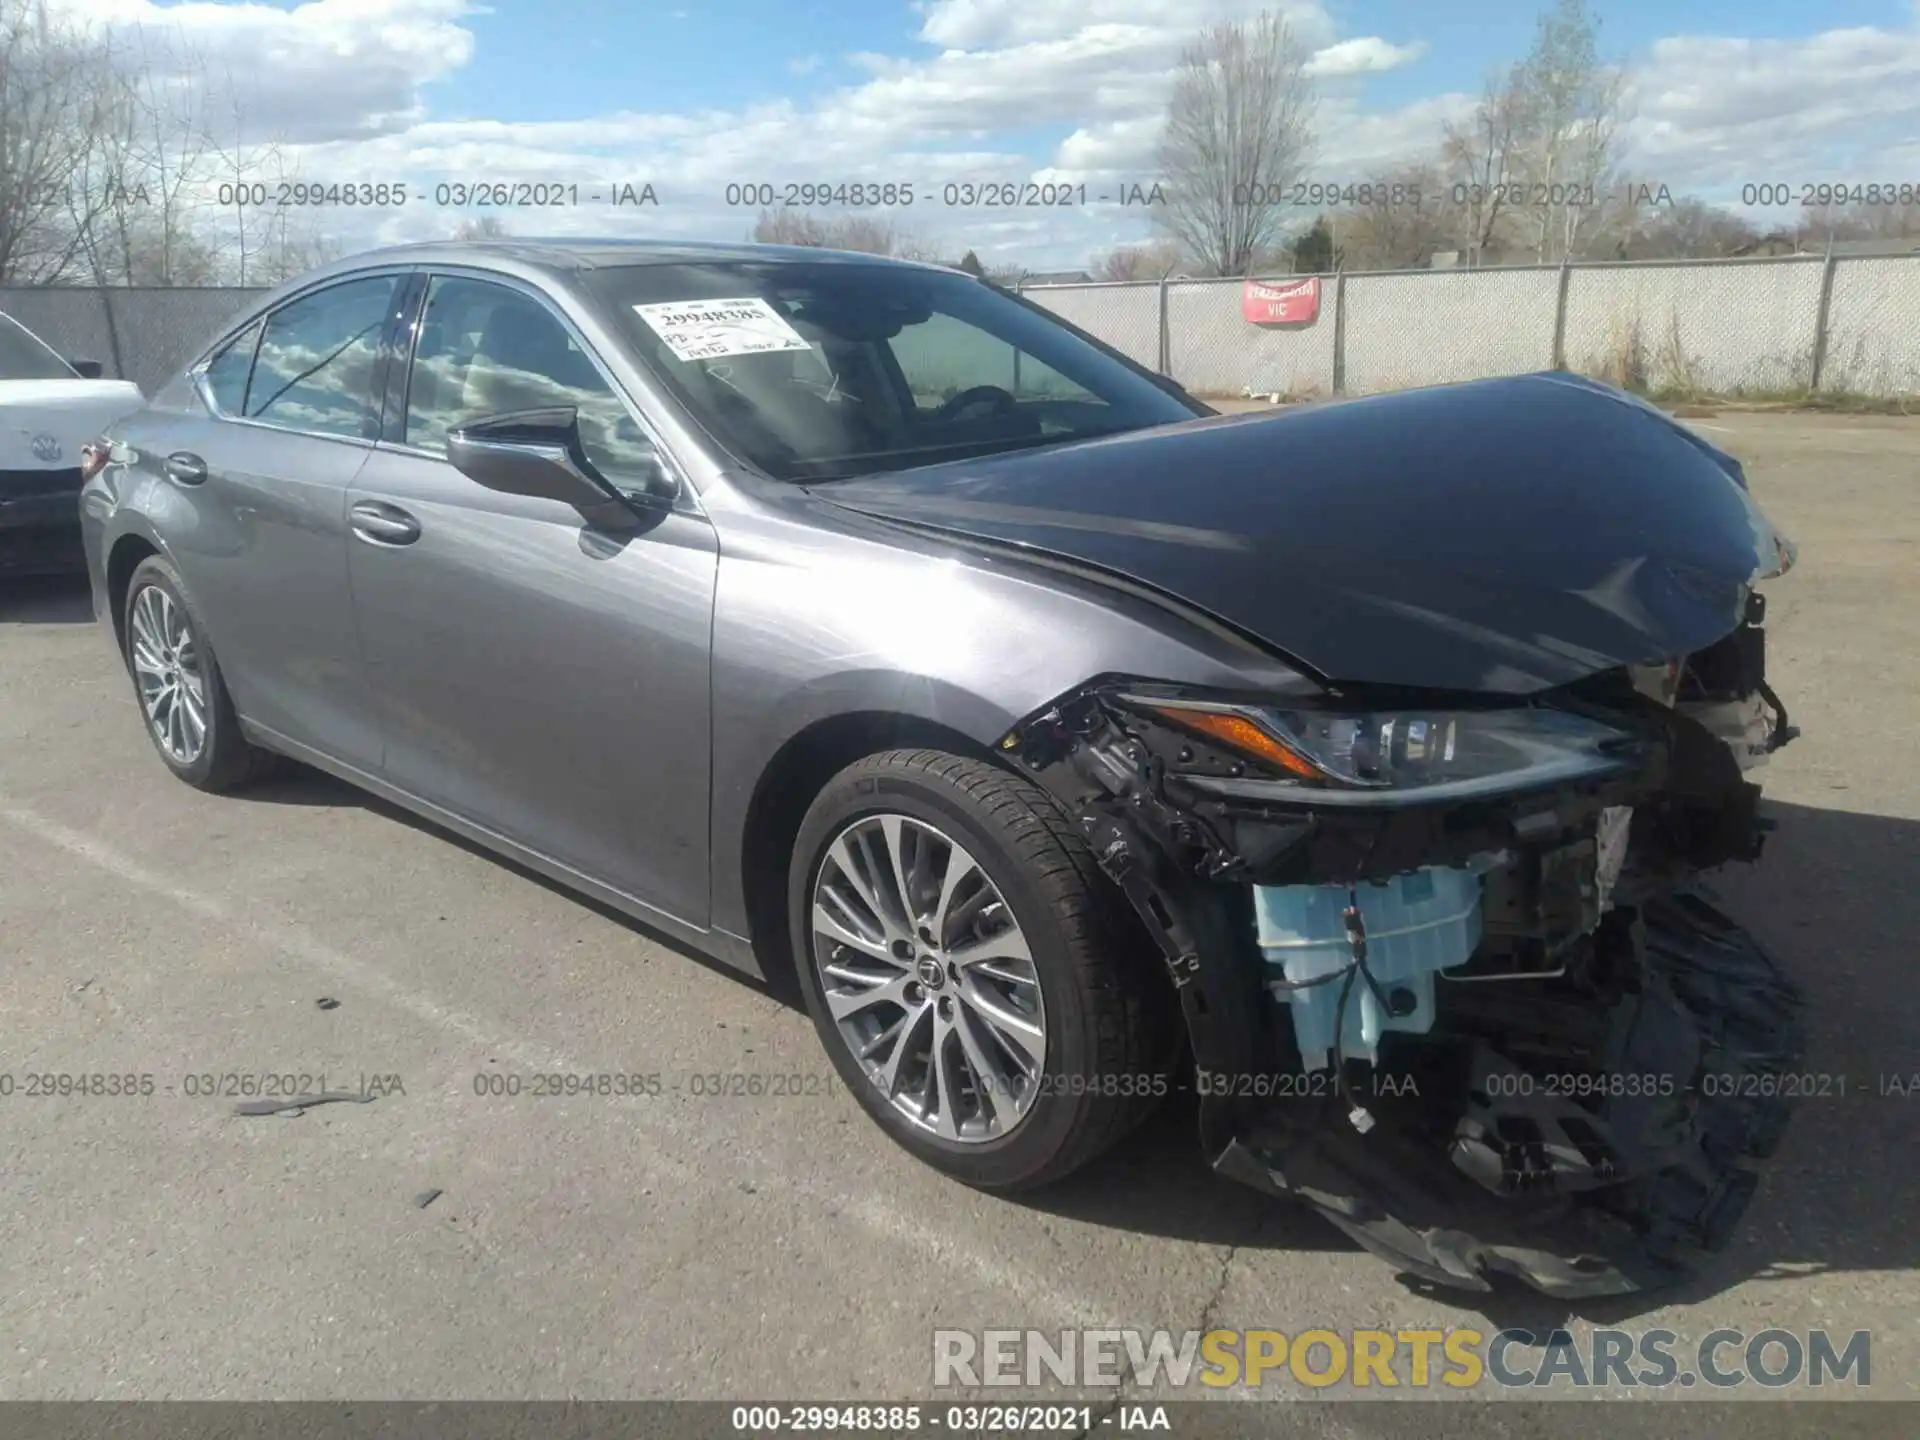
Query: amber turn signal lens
(1239, 733)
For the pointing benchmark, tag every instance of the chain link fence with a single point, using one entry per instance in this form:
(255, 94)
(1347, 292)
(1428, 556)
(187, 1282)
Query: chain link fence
(1759, 326)
(1873, 327)
(142, 335)
(1429, 327)
(1126, 316)
(1712, 328)
(1210, 342)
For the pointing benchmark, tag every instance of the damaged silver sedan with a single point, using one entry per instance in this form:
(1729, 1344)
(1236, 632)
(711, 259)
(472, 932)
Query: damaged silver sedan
(858, 624)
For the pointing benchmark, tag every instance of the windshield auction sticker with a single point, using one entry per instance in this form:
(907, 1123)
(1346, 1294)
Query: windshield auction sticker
(710, 329)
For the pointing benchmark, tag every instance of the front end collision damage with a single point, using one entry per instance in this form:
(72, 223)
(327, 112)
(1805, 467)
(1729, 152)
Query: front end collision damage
(1583, 1101)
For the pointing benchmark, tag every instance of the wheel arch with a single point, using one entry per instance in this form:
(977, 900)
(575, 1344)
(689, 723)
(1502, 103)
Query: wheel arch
(123, 558)
(791, 780)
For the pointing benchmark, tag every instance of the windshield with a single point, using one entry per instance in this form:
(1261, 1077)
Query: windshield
(25, 357)
(822, 370)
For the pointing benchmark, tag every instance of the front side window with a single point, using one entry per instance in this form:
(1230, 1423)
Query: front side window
(227, 372)
(814, 371)
(24, 356)
(487, 349)
(318, 359)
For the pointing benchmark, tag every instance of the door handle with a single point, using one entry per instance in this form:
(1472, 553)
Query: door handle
(383, 524)
(186, 468)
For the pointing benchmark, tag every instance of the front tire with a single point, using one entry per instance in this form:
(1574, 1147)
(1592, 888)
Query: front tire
(183, 698)
(977, 983)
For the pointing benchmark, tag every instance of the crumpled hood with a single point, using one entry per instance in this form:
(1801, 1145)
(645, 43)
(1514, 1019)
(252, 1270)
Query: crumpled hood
(1504, 535)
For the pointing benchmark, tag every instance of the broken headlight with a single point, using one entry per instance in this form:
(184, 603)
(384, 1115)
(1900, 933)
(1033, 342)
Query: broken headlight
(1375, 757)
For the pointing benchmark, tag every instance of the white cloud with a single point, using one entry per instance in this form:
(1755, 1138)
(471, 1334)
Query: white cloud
(1366, 55)
(344, 87)
(324, 70)
(1713, 111)
(1355, 144)
(1000, 24)
(803, 64)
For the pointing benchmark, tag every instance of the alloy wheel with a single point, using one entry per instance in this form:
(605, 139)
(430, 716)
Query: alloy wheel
(929, 978)
(166, 667)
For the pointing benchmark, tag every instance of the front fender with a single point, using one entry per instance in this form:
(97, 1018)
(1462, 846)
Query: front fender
(818, 617)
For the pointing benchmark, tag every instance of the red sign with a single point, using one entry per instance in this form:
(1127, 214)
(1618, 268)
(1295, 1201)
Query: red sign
(1294, 302)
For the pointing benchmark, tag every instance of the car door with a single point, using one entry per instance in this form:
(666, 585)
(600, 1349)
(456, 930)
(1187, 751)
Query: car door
(534, 675)
(253, 495)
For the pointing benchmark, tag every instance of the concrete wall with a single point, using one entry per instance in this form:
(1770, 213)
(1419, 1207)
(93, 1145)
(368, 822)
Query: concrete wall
(1724, 326)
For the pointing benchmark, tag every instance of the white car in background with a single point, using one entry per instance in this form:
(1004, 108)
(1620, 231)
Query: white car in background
(49, 408)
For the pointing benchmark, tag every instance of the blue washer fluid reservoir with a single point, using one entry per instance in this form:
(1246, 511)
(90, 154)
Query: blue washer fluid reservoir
(1417, 924)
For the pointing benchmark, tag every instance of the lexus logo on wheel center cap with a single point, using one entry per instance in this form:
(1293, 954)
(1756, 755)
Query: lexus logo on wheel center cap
(930, 973)
(46, 448)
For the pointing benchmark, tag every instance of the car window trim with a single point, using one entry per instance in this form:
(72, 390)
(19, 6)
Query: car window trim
(197, 373)
(408, 340)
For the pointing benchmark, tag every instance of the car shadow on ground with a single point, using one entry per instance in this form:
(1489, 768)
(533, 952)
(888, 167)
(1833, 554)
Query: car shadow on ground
(45, 600)
(1834, 899)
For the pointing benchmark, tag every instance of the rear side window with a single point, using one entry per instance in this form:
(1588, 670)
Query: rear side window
(227, 372)
(315, 370)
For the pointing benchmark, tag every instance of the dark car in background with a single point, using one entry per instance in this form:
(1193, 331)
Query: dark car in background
(857, 623)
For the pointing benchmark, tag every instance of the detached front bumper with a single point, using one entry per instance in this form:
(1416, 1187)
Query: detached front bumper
(1604, 1162)
(1578, 1102)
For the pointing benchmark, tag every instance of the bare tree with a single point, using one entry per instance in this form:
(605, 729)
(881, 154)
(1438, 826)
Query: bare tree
(1533, 169)
(1154, 260)
(1238, 133)
(483, 227)
(57, 94)
(160, 159)
(1481, 162)
(1689, 229)
(846, 232)
(120, 164)
(1859, 220)
(1401, 221)
(1572, 110)
(294, 246)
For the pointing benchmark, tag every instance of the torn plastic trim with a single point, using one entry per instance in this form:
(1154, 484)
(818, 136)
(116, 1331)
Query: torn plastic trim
(1574, 1199)
(1625, 1193)
(1220, 816)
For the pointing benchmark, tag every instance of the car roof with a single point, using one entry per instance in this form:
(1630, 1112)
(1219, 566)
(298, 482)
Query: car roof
(535, 258)
(574, 253)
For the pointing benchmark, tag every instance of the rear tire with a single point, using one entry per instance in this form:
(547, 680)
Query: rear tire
(183, 698)
(1061, 954)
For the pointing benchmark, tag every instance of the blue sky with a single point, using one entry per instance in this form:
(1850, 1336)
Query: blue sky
(681, 55)
(695, 93)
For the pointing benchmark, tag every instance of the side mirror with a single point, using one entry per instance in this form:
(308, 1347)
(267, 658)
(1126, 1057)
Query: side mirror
(538, 453)
(87, 369)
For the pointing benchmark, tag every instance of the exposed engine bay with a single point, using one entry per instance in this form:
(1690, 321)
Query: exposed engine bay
(1445, 967)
